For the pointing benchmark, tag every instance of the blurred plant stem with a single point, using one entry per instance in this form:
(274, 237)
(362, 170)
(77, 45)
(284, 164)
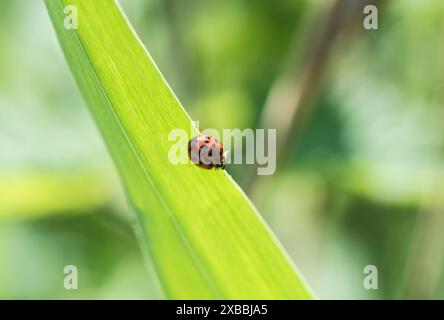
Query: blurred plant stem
(426, 259)
(39, 194)
(183, 60)
(292, 96)
(425, 263)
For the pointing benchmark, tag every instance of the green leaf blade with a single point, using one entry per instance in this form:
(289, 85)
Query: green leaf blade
(204, 236)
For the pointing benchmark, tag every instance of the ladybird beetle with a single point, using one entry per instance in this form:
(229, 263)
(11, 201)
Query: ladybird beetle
(206, 152)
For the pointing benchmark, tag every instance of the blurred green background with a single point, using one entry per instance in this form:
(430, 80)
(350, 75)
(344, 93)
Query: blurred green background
(359, 178)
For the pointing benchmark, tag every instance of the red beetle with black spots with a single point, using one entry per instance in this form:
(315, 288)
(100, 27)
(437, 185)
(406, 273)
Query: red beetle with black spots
(207, 152)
